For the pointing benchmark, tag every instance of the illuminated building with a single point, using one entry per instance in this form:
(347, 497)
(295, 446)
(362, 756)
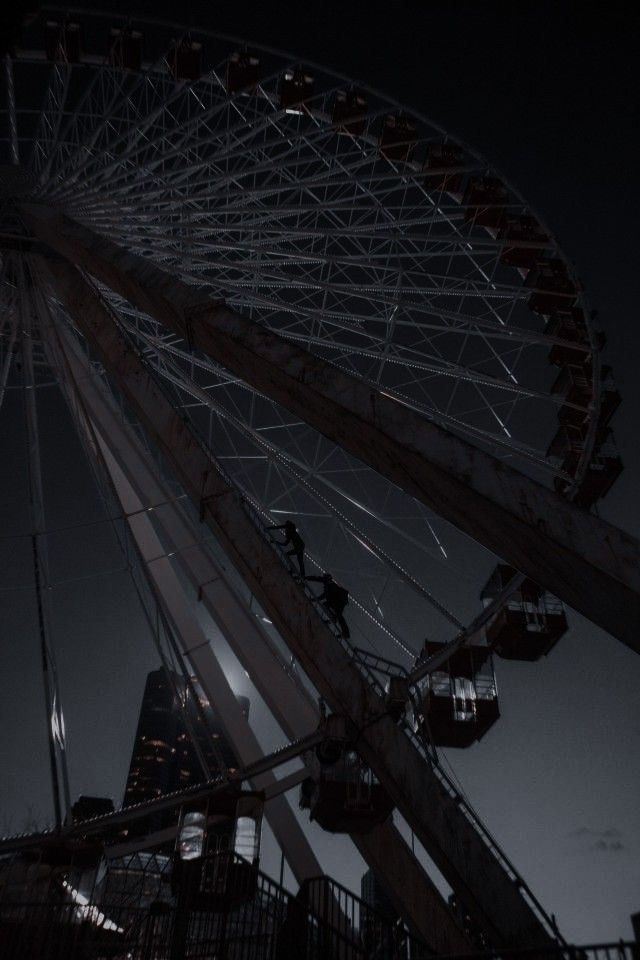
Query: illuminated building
(164, 758)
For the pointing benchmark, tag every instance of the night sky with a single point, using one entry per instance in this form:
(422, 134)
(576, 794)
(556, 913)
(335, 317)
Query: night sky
(547, 95)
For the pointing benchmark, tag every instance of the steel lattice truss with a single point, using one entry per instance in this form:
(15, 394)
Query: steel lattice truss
(319, 234)
(311, 231)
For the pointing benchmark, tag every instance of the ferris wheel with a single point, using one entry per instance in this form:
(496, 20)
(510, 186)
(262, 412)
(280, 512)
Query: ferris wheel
(325, 212)
(366, 254)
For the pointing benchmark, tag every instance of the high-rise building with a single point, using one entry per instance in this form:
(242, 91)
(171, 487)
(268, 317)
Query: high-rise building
(214, 747)
(174, 718)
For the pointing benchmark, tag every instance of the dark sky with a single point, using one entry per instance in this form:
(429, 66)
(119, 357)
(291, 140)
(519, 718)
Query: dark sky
(546, 92)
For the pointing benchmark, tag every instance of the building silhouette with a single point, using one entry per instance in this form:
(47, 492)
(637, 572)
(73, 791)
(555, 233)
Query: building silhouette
(179, 742)
(381, 927)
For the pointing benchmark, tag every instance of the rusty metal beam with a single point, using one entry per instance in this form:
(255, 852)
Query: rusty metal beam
(590, 564)
(459, 851)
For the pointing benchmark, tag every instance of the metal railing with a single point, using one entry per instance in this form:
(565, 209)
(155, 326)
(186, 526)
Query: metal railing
(142, 909)
(368, 933)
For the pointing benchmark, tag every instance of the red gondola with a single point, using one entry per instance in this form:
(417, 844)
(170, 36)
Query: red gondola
(349, 110)
(440, 158)
(552, 287)
(524, 242)
(243, 72)
(185, 59)
(62, 41)
(575, 383)
(568, 324)
(346, 797)
(485, 200)
(567, 446)
(459, 701)
(125, 48)
(602, 471)
(397, 137)
(296, 88)
(529, 624)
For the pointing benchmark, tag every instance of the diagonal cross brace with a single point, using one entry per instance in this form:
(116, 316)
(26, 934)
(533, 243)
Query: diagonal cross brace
(454, 844)
(587, 562)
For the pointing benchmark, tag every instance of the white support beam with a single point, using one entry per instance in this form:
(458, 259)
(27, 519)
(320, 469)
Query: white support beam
(411, 890)
(194, 644)
(196, 647)
(590, 564)
(56, 739)
(463, 856)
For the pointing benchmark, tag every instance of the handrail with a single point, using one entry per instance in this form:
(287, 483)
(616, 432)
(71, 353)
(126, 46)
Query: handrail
(327, 910)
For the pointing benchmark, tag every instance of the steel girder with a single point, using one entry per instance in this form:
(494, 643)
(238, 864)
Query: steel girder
(590, 564)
